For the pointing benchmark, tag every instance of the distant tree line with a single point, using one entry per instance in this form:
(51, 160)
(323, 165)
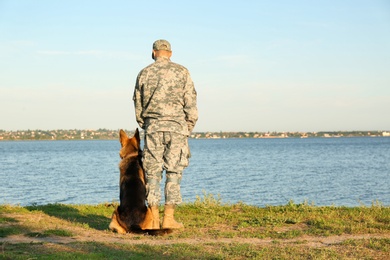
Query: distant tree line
(106, 134)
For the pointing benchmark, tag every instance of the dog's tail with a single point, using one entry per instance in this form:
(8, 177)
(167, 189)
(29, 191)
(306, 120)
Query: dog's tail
(151, 232)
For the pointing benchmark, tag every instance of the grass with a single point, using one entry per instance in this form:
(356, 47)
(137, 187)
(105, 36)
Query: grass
(213, 230)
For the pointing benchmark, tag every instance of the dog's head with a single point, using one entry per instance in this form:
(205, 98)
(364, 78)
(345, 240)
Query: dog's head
(130, 146)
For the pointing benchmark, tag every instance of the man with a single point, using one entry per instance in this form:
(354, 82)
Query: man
(165, 107)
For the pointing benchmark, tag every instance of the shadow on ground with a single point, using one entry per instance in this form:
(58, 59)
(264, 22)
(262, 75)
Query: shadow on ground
(68, 213)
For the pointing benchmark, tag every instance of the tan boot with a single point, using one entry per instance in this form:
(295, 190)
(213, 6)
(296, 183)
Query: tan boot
(169, 222)
(152, 219)
(156, 217)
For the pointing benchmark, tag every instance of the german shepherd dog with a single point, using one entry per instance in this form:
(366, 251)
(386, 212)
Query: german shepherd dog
(132, 214)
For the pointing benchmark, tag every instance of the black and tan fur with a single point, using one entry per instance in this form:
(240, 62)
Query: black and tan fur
(132, 215)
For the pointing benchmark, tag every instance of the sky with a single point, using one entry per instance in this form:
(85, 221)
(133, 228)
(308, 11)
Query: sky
(257, 66)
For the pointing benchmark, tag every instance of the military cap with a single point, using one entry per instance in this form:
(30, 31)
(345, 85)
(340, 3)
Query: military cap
(162, 45)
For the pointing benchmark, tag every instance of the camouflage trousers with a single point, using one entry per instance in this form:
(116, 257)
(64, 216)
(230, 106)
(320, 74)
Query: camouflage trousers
(164, 151)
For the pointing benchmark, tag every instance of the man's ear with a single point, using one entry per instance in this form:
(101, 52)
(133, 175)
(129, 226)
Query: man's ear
(153, 55)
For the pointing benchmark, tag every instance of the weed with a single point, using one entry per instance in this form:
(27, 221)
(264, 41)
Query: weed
(208, 200)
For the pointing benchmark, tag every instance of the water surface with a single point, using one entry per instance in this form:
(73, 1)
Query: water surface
(323, 171)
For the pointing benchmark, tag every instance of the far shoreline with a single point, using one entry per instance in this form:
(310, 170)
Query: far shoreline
(104, 134)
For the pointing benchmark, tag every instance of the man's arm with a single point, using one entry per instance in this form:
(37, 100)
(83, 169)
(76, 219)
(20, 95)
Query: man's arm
(190, 104)
(138, 104)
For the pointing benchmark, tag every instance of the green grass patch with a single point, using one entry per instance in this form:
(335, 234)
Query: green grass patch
(381, 245)
(9, 231)
(88, 216)
(7, 220)
(51, 232)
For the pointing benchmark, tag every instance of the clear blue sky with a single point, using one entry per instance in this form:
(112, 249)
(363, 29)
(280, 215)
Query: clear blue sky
(257, 65)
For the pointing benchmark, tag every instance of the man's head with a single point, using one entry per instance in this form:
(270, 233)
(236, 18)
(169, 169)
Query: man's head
(161, 48)
(160, 45)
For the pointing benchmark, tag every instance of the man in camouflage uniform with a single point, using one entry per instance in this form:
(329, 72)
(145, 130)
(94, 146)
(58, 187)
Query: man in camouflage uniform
(165, 107)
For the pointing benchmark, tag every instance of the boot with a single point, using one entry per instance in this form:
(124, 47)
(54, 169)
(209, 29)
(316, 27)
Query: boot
(152, 219)
(156, 217)
(169, 222)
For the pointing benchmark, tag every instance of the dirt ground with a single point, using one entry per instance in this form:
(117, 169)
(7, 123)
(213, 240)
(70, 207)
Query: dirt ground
(107, 237)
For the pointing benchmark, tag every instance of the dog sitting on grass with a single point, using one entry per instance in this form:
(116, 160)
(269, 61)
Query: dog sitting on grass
(132, 215)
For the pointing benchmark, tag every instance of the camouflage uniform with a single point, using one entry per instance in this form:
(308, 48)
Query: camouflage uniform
(165, 107)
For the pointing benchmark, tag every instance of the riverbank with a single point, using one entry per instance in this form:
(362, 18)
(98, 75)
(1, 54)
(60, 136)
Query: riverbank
(212, 231)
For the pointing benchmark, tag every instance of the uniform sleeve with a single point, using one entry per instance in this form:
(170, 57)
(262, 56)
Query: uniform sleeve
(138, 103)
(190, 104)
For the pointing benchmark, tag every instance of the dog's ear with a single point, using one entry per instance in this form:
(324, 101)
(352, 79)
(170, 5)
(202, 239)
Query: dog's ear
(136, 135)
(122, 137)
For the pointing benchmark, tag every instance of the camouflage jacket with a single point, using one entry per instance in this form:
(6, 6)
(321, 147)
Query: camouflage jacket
(165, 98)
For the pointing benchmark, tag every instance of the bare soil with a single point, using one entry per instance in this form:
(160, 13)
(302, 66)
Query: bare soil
(91, 236)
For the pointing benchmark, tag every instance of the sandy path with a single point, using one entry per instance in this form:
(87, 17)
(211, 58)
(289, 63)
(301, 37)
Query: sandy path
(107, 237)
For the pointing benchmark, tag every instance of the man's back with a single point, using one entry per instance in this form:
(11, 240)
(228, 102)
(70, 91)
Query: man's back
(165, 98)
